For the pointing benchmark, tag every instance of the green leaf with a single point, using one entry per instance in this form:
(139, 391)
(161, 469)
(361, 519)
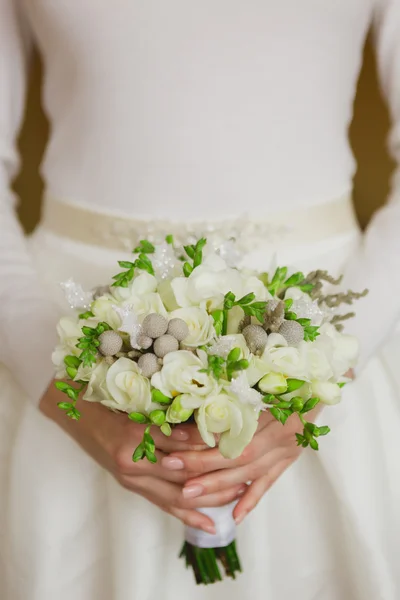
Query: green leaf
(314, 444)
(74, 414)
(145, 247)
(294, 384)
(189, 251)
(307, 288)
(88, 331)
(65, 405)
(324, 430)
(342, 384)
(71, 372)
(300, 439)
(144, 263)
(139, 453)
(288, 303)
(294, 279)
(198, 252)
(149, 443)
(234, 355)
(138, 417)
(246, 299)
(62, 386)
(283, 405)
(304, 322)
(151, 457)
(169, 239)
(86, 315)
(218, 316)
(279, 414)
(159, 397)
(126, 264)
(310, 404)
(187, 269)
(72, 361)
(290, 316)
(166, 429)
(230, 296)
(72, 393)
(157, 417)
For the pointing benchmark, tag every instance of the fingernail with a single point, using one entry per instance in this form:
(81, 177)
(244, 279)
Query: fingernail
(192, 491)
(172, 463)
(240, 518)
(180, 434)
(242, 490)
(209, 529)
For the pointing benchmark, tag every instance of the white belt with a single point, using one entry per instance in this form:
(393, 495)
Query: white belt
(116, 232)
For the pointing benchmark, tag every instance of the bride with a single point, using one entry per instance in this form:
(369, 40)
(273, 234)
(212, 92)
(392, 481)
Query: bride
(230, 117)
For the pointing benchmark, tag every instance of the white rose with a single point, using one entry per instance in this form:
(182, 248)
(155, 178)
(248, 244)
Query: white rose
(148, 304)
(283, 359)
(340, 349)
(96, 390)
(225, 415)
(327, 392)
(129, 390)
(141, 285)
(200, 323)
(181, 374)
(318, 366)
(103, 309)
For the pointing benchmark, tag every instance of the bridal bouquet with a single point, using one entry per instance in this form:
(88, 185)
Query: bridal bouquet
(182, 335)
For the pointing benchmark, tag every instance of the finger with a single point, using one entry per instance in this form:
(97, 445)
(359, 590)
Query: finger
(126, 469)
(181, 439)
(219, 499)
(211, 460)
(189, 517)
(257, 489)
(215, 482)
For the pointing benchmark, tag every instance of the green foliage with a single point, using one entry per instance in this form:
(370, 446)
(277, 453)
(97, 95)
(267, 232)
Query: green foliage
(145, 247)
(195, 253)
(90, 342)
(250, 308)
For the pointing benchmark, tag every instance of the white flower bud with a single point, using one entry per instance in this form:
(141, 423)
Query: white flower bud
(273, 383)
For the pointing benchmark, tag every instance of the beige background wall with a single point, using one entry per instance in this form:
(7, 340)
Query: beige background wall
(368, 136)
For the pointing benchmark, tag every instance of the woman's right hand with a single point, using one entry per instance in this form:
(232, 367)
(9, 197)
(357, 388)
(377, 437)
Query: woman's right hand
(111, 438)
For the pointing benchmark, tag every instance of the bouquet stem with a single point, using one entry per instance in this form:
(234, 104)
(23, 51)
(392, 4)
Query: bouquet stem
(205, 562)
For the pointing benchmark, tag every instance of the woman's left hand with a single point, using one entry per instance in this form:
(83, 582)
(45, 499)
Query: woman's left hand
(273, 449)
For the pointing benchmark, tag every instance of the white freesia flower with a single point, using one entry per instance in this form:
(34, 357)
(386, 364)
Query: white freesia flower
(141, 285)
(96, 390)
(273, 383)
(239, 387)
(225, 415)
(200, 323)
(69, 330)
(129, 390)
(340, 349)
(181, 374)
(326, 391)
(104, 309)
(318, 366)
(282, 358)
(210, 281)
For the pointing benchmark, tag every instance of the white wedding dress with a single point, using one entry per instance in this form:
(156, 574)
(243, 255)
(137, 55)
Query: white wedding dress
(203, 110)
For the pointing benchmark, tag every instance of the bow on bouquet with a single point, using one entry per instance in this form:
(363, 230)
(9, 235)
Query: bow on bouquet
(180, 335)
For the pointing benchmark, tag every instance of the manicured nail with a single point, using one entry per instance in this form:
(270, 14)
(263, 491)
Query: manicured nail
(209, 529)
(240, 518)
(172, 463)
(180, 434)
(192, 491)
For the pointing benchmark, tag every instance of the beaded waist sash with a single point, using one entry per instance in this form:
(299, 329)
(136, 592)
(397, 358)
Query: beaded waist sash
(117, 232)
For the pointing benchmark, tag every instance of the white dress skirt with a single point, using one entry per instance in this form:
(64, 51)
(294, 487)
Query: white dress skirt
(329, 529)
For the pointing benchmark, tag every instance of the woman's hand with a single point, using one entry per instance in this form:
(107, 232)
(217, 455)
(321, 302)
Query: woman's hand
(273, 449)
(111, 438)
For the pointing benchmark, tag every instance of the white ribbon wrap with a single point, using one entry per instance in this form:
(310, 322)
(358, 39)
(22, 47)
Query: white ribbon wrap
(224, 524)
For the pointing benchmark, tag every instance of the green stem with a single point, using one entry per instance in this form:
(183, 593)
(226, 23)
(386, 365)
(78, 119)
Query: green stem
(225, 322)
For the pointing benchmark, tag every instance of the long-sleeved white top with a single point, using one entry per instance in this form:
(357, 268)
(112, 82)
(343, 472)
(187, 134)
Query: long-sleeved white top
(189, 108)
